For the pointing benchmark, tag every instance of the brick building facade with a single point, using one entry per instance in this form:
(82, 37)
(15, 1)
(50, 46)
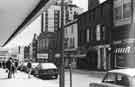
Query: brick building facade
(94, 33)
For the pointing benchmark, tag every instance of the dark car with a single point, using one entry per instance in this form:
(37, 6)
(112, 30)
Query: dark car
(44, 70)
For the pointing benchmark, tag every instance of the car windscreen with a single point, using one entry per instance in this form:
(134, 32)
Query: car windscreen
(117, 79)
(34, 64)
(47, 66)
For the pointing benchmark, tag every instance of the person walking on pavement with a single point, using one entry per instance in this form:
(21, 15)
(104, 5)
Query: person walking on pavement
(13, 68)
(29, 67)
(3, 64)
(9, 67)
(16, 65)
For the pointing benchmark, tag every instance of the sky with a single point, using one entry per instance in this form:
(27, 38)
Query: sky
(25, 37)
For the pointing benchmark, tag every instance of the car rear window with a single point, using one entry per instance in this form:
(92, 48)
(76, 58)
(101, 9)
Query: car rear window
(47, 66)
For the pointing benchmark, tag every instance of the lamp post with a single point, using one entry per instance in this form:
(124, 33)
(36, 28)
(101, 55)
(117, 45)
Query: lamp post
(62, 71)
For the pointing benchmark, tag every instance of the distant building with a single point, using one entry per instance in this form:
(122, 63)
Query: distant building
(17, 53)
(46, 46)
(52, 16)
(4, 55)
(26, 52)
(34, 48)
(49, 38)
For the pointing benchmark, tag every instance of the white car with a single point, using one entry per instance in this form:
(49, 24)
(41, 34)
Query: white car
(117, 78)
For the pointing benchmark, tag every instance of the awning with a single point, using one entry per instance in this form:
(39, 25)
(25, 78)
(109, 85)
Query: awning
(15, 15)
(125, 50)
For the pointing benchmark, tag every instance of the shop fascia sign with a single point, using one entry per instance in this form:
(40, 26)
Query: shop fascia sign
(126, 41)
(42, 55)
(129, 40)
(117, 42)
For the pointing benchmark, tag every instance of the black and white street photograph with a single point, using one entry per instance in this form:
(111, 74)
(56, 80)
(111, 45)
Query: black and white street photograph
(67, 43)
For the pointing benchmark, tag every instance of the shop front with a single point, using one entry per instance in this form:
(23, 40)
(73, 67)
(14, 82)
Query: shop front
(124, 55)
(103, 57)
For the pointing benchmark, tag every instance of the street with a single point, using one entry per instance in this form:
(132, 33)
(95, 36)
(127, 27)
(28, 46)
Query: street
(80, 79)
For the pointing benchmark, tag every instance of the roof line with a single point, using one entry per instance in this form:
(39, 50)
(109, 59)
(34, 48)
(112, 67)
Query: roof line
(27, 19)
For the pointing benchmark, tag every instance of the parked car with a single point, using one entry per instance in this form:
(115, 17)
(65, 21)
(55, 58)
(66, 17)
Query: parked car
(117, 78)
(34, 65)
(23, 67)
(46, 70)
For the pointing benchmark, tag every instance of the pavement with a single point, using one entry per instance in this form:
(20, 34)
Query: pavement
(84, 77)
(21, 80)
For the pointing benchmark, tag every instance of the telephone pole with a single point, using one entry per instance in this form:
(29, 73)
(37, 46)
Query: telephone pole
(62, 71)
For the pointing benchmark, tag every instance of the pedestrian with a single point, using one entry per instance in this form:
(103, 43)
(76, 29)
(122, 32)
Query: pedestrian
(3, 64)
(13, 68)
(16, 65)
(0, 64)
(29, 68)
(9, 67)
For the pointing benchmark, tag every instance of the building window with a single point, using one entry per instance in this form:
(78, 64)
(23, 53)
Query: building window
(126, 10)
(88, 34)
(98, 33)
(72, 29)
(122, 11)
(103, 32)
(46, 43)
(71, 42)
(118, 13)
(43, 43)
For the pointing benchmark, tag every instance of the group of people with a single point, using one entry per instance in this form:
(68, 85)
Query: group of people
(3, 64)
(11, 66)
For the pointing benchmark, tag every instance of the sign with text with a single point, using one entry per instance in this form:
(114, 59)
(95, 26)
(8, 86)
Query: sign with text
(42, 56)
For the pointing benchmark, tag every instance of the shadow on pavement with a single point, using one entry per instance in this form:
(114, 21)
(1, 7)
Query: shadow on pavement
(4, 78)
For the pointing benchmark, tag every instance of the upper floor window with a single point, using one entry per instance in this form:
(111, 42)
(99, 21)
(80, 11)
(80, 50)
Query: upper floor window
(122, 11)
(88, 35)
(103, 32)
(126, 10)
(98, 32)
